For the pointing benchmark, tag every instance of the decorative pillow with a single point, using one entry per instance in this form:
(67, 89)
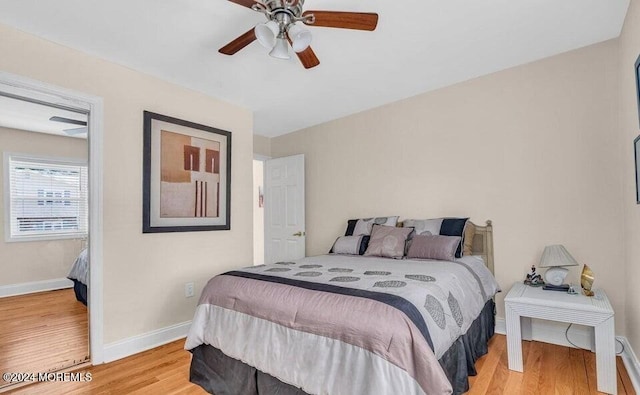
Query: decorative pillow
(410, 239)
(469, 233)
(454, 227)
(367, 224)
(350, 245)
(387, 241)
(434, 247)
(422, 226)
(441, 226)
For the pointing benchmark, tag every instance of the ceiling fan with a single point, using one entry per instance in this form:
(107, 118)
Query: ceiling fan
(282, 30)
(71, 131)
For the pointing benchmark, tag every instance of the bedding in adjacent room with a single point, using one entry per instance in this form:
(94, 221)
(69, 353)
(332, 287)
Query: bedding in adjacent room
(79, 274)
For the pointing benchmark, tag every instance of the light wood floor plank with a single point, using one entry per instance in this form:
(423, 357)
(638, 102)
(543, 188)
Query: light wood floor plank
(165, 370)
(42, 332)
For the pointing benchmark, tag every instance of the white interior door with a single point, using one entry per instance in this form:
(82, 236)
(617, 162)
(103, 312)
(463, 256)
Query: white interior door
(284, 209)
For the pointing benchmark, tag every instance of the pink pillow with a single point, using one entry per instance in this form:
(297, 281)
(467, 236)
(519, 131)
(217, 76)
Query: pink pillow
(387, 241)
(434, 247)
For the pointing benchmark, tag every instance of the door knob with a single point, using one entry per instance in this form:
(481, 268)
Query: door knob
(299, 234)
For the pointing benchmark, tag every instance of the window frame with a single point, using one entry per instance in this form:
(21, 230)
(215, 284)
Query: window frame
(43, 159)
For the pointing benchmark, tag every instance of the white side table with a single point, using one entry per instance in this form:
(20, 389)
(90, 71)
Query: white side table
(524, 302)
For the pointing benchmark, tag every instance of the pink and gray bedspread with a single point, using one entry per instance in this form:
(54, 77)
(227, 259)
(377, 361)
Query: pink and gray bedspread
(344, 324)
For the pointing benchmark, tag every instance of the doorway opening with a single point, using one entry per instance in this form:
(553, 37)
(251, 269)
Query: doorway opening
(43, 290)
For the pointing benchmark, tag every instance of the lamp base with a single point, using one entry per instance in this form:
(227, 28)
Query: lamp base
(555, 275)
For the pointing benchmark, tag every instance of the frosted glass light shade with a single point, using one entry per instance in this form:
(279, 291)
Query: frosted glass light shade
(556, 255)
(300, 37)
(266, 33)
(281, 49)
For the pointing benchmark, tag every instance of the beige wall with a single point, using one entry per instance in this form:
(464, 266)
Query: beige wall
(530, 148)
(629, 51)
(144, 274)
(22, 262)
(262, 145)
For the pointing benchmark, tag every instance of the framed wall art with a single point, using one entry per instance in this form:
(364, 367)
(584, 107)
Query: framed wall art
(186, 176)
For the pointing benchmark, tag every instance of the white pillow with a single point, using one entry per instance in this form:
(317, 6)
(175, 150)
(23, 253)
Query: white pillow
(424, 226)
(347, 245)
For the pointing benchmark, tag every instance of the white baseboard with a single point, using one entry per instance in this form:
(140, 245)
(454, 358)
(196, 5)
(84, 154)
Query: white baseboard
(554, 332)
(631, 363)
(146, 341)
(35, 286)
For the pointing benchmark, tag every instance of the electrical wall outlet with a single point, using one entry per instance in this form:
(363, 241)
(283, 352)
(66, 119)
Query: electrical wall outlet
(189, 289)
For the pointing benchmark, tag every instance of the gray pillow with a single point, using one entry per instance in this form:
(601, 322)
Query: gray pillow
(387, 241)
(434, 247)
(349, 245)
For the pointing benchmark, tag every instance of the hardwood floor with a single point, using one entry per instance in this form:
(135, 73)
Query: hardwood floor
(42, 332)
(549, 369)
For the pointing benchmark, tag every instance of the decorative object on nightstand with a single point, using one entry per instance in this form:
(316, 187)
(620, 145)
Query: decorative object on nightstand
(586, 280)
(555, 257)
(533, 279)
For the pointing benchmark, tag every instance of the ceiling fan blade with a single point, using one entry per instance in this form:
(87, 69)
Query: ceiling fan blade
(76, 131)
(344, 20)
(308, 58)
(68, 120)
(239, 43)
(244, 3)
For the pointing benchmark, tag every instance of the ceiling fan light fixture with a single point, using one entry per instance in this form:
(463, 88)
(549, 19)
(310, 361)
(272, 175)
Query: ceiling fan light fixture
(281, 49)
(300, 37)
(266, 33)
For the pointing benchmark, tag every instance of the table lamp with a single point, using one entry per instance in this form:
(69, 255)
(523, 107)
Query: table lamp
(555, 257)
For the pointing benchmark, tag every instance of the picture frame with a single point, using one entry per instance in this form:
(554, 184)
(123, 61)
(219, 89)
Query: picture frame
(637, 74)
(636, 149)
(186, 176)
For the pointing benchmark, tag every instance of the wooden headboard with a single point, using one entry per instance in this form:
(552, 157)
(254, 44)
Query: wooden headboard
(483, 244)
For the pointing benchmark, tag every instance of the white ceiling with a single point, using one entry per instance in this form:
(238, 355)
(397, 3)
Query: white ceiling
(32, 117)
(419, 45)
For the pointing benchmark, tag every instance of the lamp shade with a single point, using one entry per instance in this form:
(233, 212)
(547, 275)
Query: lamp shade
(266, 33)
(281, 49)
(556, 255)
(300, 37)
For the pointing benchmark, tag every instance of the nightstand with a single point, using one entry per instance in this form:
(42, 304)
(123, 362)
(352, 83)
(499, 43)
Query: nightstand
(524, 302)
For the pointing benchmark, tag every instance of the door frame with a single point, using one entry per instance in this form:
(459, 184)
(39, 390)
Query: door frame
(263, 159)
(13, 84)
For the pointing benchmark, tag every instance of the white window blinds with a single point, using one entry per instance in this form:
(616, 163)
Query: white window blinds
(47, 198)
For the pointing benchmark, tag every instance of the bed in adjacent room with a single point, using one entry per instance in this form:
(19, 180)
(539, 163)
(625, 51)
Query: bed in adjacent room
(79, 275)
(352, 322)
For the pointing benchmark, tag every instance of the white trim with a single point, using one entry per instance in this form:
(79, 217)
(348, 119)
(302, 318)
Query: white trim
(146, 341)
(35, 286)
(26, 87)
(631, 363)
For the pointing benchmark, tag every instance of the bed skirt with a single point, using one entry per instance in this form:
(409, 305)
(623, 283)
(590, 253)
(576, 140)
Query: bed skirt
(222, 375)
(80, 290)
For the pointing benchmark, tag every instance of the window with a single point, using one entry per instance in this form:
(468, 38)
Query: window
(47, 198)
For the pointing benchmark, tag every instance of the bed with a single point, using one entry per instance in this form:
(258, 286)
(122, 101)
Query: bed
(335, 324)
(79, 275)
